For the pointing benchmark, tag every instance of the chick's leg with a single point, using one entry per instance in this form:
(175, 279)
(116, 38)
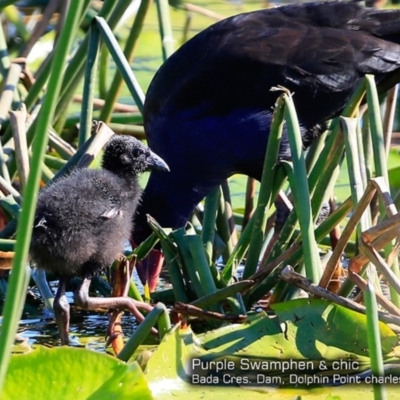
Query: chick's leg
(83, 300)
(61, 312)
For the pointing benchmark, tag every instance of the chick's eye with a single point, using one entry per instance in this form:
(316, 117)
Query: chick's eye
(138, 152)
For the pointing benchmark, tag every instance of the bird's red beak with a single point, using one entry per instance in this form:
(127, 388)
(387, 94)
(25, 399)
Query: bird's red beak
(149, 268)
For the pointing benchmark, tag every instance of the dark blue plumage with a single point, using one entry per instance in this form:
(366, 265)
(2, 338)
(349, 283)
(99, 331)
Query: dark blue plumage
(208, 109)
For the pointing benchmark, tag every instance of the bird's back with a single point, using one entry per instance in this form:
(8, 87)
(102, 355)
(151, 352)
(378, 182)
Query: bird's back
(312, 49)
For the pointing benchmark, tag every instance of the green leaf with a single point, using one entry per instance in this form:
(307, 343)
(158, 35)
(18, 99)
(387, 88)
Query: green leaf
(318, 321)
(70, 373)
(303, 329)
(169, 376)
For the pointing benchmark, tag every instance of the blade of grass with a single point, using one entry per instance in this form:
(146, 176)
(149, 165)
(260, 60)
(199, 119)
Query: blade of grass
(104, 68)
(111, 11)
(301, 195)
(380, 160)
(6, 101)
(54, 162)
(9, 204)
(164, 23)
(345, 236)
(375, 122)
(17, 119)
(208, 231)
(270, 281)
(244, 239)
(39, 30)
(222, 294)
(129, 52)
(327, 166)
(238, 252)
(18, 282)
(207, 272)
(356, 183)
(6, 187)
(354, 168)
(74, 66)
(121, 62)
(266, 188)
(389, 117)
(85, 125)
(4, 56)
(86, 154)
(143, 330)
(225, 221)
(324, 171)
(173, 260)
(374, 341)
(381, 299)
(146, 246)
(7, 245)
(35, 90)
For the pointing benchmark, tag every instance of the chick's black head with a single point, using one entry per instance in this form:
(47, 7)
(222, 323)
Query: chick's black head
(125, 154)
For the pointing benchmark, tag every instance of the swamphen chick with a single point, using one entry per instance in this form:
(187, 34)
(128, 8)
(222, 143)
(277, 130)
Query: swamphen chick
(83, 220)
(208, 109)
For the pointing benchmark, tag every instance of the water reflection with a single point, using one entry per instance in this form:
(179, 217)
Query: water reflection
(87, 328)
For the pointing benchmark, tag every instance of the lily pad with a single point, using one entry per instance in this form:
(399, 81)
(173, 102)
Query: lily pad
(169, 377)
(321, 322)
(302, 329)
(70, 373)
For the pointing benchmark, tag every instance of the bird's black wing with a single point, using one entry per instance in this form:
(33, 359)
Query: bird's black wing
(310, 48)
(326, 43)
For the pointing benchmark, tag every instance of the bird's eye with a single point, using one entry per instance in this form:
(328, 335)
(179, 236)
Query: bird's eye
(138, 152)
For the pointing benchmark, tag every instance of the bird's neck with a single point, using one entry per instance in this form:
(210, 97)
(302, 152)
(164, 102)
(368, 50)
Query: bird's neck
(131, 183)
(169, 201)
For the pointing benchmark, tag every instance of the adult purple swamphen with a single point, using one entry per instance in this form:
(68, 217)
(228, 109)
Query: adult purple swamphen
(82, 221)
(208, 109)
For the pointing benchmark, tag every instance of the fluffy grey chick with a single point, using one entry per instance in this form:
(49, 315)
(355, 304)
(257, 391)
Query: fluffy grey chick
(82, 221)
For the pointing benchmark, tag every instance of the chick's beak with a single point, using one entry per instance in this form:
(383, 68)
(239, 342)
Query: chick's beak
(156, 162)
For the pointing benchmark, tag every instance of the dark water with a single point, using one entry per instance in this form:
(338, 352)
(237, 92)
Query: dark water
(87, 328)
